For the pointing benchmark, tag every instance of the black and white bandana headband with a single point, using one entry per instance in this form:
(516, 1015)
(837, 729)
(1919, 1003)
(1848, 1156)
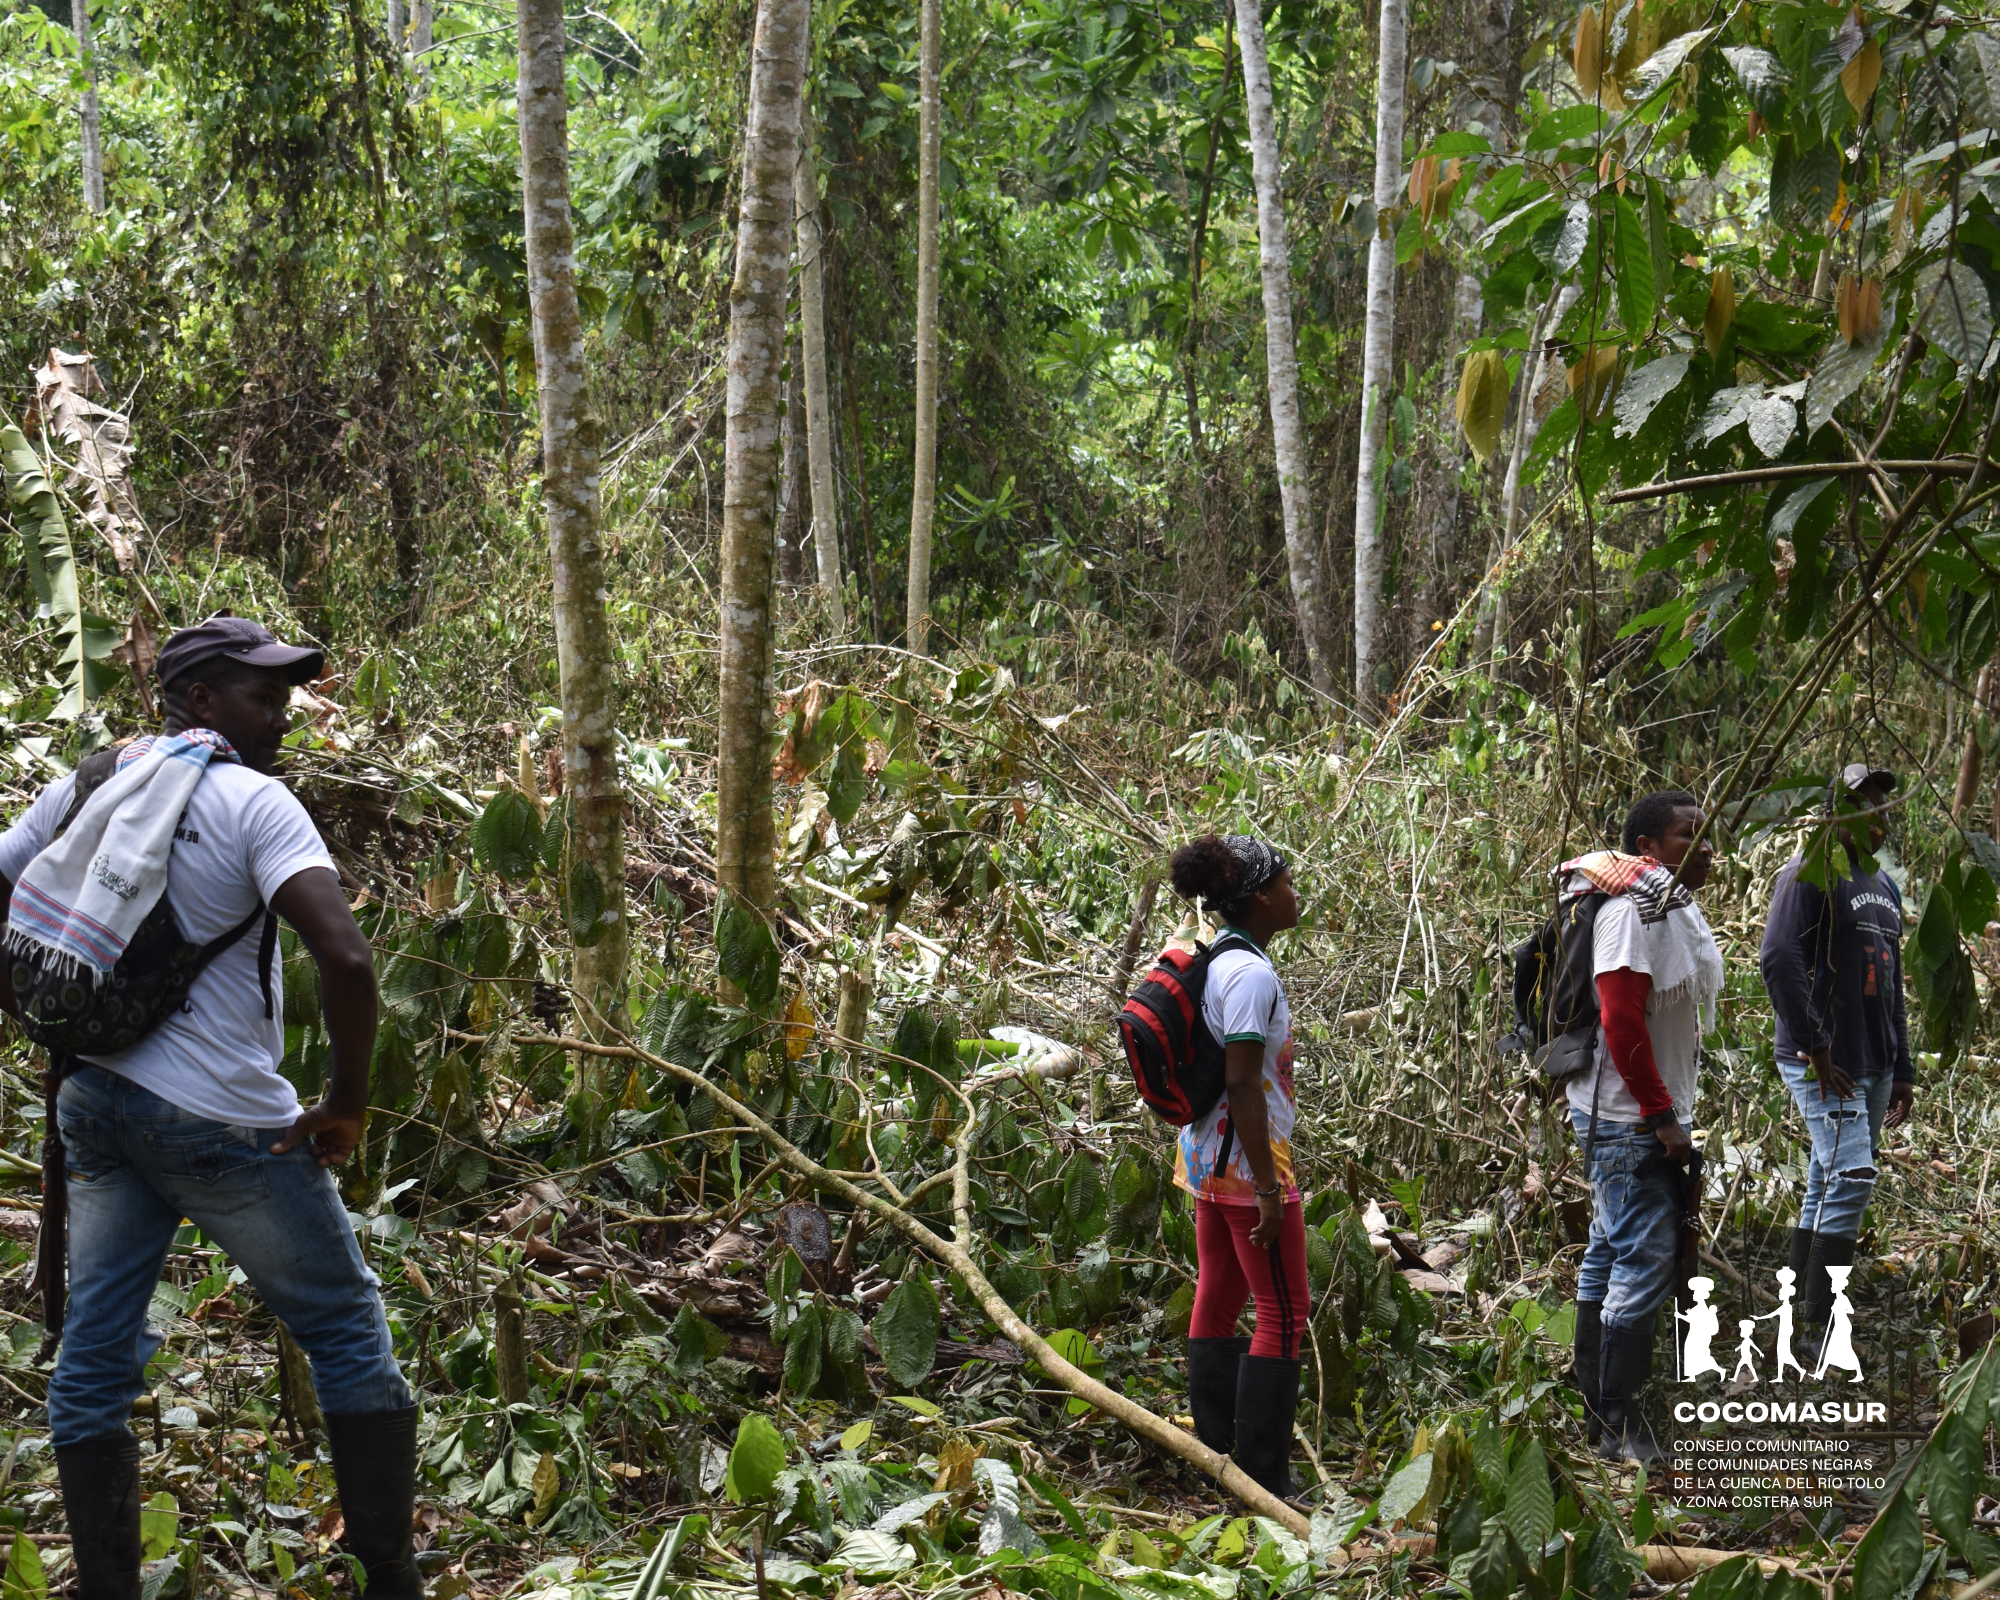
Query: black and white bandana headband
(1260, 863)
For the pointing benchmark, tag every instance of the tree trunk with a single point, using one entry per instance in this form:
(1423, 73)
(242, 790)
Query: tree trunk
(812, 340)
(584, 652)
(923, 490)
(1280, 353)
(745, 834)
(792, 491)
(1970, 762)
(1378, 353)
(1468, 310)
(92, 140)
(1489, 635)
(421, 15)
(399, 26)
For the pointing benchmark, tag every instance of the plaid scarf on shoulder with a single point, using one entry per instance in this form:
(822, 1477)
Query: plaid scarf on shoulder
(1650, 883)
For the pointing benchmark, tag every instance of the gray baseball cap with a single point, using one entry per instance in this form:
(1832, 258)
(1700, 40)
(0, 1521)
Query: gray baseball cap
(1857, 775)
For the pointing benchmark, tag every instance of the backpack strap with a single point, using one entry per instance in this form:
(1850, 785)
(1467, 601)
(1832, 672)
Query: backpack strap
(267, 947)
(91, 773)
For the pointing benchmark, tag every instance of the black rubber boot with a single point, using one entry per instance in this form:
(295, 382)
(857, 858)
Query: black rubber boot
(375, 1472)
(1212, 1374)
(1589, 1360)
(1626, 1371)
(1267, 1402)
(100, 1490)
(1800, 1261)
(1827, 1251)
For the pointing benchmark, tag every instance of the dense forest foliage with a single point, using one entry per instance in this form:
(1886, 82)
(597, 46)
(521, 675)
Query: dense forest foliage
(759, 710)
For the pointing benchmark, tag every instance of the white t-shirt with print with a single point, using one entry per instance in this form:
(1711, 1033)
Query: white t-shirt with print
(1623, 940)
(241, 838)
(1243, 999)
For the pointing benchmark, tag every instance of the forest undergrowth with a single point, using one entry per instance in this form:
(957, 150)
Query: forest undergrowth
(603, 1315)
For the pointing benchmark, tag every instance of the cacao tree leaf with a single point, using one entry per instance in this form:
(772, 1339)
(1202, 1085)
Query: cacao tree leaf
(907, 1329)
(755, 1461)
(1481, 410)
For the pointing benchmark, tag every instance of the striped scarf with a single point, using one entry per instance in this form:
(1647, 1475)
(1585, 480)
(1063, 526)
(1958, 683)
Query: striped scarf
(1650, 884)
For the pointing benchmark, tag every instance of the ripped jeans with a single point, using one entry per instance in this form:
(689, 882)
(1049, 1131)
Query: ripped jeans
(1845, 1133)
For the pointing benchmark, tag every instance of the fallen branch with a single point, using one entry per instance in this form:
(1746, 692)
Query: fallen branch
(956, 1255)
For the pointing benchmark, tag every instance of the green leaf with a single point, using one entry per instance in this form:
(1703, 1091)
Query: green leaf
(1953, 1466)
(1530, 1511)
(755, 1461)
(507, 837)
(746, 953)
(805, 1351)
(555, 838)
(586, 905)
(25, 1579)
(1638, 298)
(159, 1526)
(781, 1283)
(1763, 77)
(1887, 1557)
(51, 562)
(1403, 1492)
(907, 1328)
(1083, 1196)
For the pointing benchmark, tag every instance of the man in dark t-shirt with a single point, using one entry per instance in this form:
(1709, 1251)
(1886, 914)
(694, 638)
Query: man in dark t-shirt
(1833, 965)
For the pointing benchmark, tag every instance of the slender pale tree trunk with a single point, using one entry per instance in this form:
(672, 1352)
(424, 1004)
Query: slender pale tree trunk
(812, 340)
(792, 491)
(1378, 348)
(745, 835)
(1281, 358)
(421, 15)
(399, 27)
(584, 651)
(92, 151)
(1489, 634)
(923, 492)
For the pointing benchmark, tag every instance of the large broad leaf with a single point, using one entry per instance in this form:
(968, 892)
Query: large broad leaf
(755, 1461)
(746, 952)
(1482, 401)
(1083, 1197)
(25, 1579)
(508, 835)
(1575, 235)
(1953, 312)
(1762, 75)
(1841, 369)
(83, 642)
(1530, 1512)
(907, 1329)
(1887, 1558)
(1655, 72)
(805, 1350)
(1403, 1492)
(1643, 390)
(1637, 288)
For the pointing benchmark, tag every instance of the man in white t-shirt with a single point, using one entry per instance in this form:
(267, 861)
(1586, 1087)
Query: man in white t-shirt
(194, 1121)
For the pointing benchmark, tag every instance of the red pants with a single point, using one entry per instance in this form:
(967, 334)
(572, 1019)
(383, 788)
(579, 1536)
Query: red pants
(1229, 1270)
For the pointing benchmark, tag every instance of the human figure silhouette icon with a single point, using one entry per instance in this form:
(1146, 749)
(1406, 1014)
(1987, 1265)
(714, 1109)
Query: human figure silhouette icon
(1704, 1322)
(1746, 1349)
(1839, 1348)
(1787, 1281)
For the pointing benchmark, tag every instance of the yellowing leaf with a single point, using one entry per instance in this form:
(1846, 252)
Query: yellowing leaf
(1587, 55)
(547, 1484)
(916, 1403)
(1860, 308)
(1721, 311)
(858, 1435)
(1859, 77)
(159, 1523)
(1423, 183)
(1591, 381)
(955, 1465)
(25, 1579)
(1482, 401)
(798, 1027)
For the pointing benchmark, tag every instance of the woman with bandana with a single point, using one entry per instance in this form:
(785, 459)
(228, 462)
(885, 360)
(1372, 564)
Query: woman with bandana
(1250, 1237)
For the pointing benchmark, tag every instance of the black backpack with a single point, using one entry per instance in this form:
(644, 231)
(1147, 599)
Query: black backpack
(1556, 1019)
(1176, 1062)
(79, 1012)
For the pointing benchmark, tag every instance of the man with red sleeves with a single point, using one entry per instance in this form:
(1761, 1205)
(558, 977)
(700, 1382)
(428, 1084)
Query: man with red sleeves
(1658, 975)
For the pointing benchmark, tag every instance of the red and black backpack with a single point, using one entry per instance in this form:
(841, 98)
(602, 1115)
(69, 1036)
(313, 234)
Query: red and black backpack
(1177, 1064)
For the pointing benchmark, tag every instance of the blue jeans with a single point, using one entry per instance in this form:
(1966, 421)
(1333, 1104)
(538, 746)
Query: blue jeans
(137, 1165)
(1635, 1210)
(1845, 1135)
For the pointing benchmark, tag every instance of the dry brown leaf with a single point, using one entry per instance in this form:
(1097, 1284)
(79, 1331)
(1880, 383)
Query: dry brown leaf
(798, 1027)
(1860, 308)
(1592, 381)
(1423, 184)
(102, 440)
(1587, 54)
(1859, 77)
(1721, 312)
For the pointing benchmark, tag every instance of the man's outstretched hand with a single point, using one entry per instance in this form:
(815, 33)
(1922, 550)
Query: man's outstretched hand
(330, 1131)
